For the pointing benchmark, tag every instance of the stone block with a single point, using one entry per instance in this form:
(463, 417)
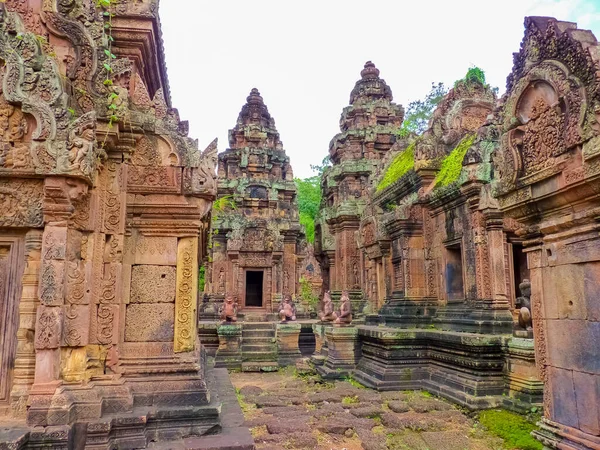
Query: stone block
(152, 284)
(52, 282)
(155, 250)
(48, 327)
(563, 399)
(569, 290)
(587, 392)
(149, 322)
(288, 335)
(76, 327)
(572, 344)
(591, 288)
(229, 353)
(54, 244)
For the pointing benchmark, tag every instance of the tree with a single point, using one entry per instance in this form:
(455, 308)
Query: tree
(419, 112)
(309, 199)
(320, 168)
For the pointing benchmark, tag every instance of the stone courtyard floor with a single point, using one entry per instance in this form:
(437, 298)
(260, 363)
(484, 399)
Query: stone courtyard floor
(285, 411)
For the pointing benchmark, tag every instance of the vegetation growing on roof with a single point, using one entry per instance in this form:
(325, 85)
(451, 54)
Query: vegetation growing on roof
(401, 164)
(452, 164)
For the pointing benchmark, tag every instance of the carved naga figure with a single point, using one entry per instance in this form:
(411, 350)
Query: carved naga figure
(228, 310)
(345, 316)
(287, 309)
(327, 314)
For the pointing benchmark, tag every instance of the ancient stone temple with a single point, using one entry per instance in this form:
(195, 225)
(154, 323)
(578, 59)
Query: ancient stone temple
(104, 206)
(256, 239)
(547, 176)
(368, 129)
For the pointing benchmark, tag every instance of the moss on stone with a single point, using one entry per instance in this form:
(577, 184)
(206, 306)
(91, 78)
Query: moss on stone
(452, 164)
(401, 164)
(513, 428)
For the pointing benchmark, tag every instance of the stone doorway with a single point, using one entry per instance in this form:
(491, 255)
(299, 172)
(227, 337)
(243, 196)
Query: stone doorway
(11, 268)
(254, 289)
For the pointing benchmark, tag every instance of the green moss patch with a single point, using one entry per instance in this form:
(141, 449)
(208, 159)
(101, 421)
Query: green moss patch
(452, 164)
(513, 428)
(401, 164)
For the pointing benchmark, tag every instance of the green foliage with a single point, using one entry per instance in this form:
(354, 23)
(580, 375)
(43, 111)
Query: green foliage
(348, 400)
(201, 278)
(418, 113)
(401, 164)
(354, 382)
(307, 294)
(452, 164)
(513, 428)
(223, 204)
(320, 168)
(309, 199)
(475, 74)
(309, 226)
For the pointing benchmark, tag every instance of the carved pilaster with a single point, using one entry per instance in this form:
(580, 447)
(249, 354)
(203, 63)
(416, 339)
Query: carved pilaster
(24, 368)
(187, 291)
(495, 237)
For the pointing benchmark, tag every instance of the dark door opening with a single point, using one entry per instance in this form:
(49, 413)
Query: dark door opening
(254, 288)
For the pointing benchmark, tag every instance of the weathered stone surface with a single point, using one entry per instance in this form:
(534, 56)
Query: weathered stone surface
(149, 322)
(152, 284)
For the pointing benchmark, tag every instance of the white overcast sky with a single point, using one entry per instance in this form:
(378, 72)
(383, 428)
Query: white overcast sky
(305, 56)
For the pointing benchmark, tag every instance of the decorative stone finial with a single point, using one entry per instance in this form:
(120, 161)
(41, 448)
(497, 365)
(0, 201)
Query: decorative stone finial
(370, 71)
(254, 98)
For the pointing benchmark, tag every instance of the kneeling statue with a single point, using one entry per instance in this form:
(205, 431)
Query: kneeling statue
(327, 314)
(228, 310)
(287, 309)
(524, 304)
(345, 316)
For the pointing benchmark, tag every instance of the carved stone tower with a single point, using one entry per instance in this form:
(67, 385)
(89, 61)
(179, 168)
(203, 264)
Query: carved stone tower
(256, 234)
(368, 130)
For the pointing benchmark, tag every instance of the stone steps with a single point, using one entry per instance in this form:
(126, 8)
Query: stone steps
(260, 366)
(258, 334)
(259, 348)
(259, 356)
(258, 326)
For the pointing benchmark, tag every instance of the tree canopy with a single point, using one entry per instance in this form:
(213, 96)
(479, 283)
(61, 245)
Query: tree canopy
(309, 199)
(419, 112)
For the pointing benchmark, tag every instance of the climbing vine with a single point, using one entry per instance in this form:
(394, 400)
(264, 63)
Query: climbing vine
(400, 165)
(452, 164)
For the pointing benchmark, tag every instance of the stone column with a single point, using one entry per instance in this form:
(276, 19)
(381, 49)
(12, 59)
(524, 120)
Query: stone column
(495, 237)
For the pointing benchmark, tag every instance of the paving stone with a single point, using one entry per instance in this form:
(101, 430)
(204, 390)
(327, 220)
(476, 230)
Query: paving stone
(328, 410)
(326, 396)
(411, 421)
(251, 390)
(267, 400)
(372, 441)
(394, 395)
(422, 405)
(398, 406)
(367, 411)
(279, 426)
(446, 440)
